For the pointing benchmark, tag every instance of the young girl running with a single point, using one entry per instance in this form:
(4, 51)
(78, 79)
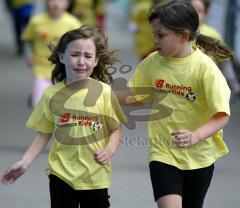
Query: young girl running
(192, 98)
(82, 116)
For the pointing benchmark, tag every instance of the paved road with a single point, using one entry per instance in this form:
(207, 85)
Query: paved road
(131, 185)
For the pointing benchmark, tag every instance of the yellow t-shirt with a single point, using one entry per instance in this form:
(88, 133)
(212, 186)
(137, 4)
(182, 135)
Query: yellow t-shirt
(20, 3)
(81, 122)
(144, 42)
(210, 31)
(100, 7)
(83, 9)
(43, 30)
(186, 93)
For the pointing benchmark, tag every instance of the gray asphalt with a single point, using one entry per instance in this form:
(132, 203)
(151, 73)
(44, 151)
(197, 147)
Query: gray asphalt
(131, 184)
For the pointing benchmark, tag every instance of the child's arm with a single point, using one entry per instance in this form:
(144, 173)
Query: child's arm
(105, 155)
(185, 138)
(125, 97)
(28, 48)
(20, 167)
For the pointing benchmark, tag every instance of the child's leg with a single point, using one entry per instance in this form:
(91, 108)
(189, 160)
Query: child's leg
(94, 198)
(61, 194)
(17, 29)
(196, 184)
(167, 183)
(39, 85)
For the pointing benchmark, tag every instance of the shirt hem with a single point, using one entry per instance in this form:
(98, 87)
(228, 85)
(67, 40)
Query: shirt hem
(80, 187)
(187, 166)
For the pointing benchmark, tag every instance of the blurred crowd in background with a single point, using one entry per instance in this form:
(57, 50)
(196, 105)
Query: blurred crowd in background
(33, 31)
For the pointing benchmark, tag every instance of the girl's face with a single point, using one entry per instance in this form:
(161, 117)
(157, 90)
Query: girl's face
(200, 8)
(79, 59)
(57, 7)
(168, 43)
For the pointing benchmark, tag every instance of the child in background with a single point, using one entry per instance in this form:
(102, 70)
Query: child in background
(186, 142)
(41, 31)
(90, 12)
(202, 7)
(144, 44)
(83, 10)
(141, 29)
(100, 6)
(86, 131)
(21, 11)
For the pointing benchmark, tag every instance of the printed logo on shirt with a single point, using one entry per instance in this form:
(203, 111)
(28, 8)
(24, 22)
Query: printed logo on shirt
(71, 118)
(67, 116)
(176, 89)
(44, 36)
(97, 126)
(68, 120)
(191, 96)
(48, 37)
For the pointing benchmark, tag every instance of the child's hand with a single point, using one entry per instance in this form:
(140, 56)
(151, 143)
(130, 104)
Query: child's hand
(13, 173)
(184, 138)
(103, 156)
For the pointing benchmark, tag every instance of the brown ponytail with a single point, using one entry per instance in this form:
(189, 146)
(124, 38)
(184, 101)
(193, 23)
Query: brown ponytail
(214, 47)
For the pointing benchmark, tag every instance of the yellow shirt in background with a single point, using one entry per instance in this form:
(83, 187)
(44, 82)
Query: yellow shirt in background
(20, 3)
(79, 129)
(144, 42)
(100, 7)
(210, 31)
(187, 92)
(83, 9)
(43, 30)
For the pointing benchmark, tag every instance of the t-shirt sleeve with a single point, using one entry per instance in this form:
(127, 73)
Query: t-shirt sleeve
(41, 118)
(28, 34)
(216, 90)
(140, 84)
(114, 112)
(75, 23)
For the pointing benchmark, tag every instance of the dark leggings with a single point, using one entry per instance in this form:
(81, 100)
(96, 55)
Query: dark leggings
(192, 185)
(64, 196)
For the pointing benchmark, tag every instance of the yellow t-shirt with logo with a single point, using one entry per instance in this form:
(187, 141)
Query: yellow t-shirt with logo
(43, 30)
(144, 42)
(81, 122)
(186, 93)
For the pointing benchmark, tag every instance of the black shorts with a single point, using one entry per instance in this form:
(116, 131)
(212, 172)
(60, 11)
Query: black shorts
(192, 185)
(64, 196)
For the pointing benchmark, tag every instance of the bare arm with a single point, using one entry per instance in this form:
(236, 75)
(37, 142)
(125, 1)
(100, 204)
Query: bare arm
(105, 155)
(28, 48)
(125, 97)
(38, 144)
(184, 138)
(19, 168)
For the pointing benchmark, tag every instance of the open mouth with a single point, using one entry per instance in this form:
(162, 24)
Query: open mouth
(79, 70)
